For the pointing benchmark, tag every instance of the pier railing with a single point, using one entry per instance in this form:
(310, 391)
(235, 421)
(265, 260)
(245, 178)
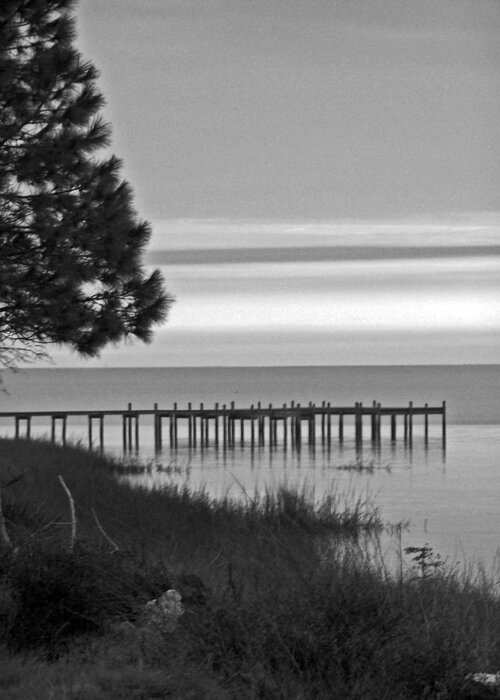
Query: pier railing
(225, 425)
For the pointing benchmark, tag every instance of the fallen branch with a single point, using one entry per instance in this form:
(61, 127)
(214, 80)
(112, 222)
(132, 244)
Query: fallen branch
(72, 511)
(113, 544)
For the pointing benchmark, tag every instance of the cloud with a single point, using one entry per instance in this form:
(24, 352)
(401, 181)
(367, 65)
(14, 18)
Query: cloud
(297, 347)
(469, 229)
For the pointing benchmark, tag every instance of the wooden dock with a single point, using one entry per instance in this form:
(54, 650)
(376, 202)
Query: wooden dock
(258, 425)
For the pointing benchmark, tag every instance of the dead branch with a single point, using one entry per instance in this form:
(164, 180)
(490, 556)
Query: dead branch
(72, 511)
(104, 534)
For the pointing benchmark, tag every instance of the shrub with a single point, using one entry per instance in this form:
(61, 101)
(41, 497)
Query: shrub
(57, 594)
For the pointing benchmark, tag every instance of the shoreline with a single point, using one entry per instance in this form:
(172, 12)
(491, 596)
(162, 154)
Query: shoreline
(278, 595)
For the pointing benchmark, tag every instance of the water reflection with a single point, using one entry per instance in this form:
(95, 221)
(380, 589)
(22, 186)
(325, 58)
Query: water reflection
(450, 499)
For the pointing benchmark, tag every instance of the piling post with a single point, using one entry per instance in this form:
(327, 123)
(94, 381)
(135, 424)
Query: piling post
(159, 427)
(232, 426)
(341, 426)
(393, 427)
(298, 426)
(406, 426)
(426, 426)
(217, 425)
(374, 421)
(410, 423)
(155, 427)
(53, 429)
(260, 425)
(64, 419)
(89, 417)
(312, 425)
(252, 427)
(323, 422)
(270, 425)
(359, 422)
(224, 425)
(328, 425)
(190, 424)
(202, 431)
(174, 426)
(285, 427)
(129, 427)
(136, 436)
(444, 425)
(124, 431)
(379, 423)
(195, 428)
(101, 432)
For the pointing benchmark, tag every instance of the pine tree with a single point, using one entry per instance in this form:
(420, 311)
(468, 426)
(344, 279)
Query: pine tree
(70, 241)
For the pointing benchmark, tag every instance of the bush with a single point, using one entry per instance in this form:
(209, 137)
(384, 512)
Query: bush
(57, 594)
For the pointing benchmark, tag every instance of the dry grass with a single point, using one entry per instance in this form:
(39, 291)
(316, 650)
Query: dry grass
(281, 599)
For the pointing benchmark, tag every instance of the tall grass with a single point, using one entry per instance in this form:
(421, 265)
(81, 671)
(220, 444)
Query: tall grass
(281, 598)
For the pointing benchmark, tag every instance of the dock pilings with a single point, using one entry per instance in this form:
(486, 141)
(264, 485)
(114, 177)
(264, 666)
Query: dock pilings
(130, 429)
(54, 419)
(288, 424)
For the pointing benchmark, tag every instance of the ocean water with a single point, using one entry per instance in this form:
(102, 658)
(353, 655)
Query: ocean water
(449, 498)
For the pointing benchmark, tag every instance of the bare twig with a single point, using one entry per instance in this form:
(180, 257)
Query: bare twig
(72, 511)
(104, 534)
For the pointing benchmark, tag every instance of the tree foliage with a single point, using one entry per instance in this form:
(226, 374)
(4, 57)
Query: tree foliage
(71, 243)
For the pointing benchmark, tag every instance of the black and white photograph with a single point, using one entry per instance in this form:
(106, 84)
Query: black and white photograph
(249, 349)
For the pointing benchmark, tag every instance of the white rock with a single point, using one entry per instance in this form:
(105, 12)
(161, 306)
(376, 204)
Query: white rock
(492, 680)
(164, 612)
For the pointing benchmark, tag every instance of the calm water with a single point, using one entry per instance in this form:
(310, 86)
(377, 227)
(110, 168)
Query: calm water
(450, 499)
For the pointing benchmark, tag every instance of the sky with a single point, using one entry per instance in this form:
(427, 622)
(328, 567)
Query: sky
(322, 176)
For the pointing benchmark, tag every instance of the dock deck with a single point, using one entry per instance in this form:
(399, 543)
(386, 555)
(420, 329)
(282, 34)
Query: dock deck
(226, 425)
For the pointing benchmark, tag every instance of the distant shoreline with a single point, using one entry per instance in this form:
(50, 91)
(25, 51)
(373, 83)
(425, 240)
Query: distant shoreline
(312, 254)
(255, 367)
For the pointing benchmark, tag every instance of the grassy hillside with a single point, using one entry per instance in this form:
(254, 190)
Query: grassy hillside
(280, 599)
